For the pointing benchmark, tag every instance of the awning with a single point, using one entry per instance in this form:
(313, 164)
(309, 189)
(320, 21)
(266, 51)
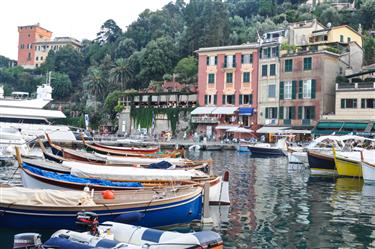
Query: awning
(239, 130)
(225, 127)
(272, 129)
(203, 110)
(291, 131)
(246, 111)
(225, 110)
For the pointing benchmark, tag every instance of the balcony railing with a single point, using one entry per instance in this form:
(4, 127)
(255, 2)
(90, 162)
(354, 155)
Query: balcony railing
(287, 122)
(306, 122)
(204, 120)
(229, 65)
(358, 85)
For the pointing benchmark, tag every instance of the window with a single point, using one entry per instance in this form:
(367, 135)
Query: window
(288, 90)
(210, 99)
(307, 89)
(229, 77)
(349, 40)
(309, 112)
(37, 58)
(271, 112)
(271, 91)
(368, 103)
(246, 99)
(229, 61)
(211, 60)
(341, 38)
(289, 112)
(272, 69)
(228, 99)
(247, 59)
(211, 78)
(264, 70)
(275, 52)
(348, 103)
(41, 58)
(29, 57)
(246, 77)
(289, 65)
(36, 65)
(307, 63)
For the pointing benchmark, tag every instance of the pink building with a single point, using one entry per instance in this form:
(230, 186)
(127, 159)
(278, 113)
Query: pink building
(227, 88)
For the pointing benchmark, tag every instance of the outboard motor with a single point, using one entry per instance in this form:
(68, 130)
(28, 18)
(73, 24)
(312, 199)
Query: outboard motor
(27, 241)
(88, 221)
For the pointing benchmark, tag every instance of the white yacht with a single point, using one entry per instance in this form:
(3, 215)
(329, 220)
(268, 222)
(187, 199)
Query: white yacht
(28, 116)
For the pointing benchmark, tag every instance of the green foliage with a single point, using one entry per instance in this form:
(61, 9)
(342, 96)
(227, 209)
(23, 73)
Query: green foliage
(186, 70)
(95, 82)
(111, 102)
(61, 85)
(367, 13)
(369, 50)
(120, 73)
(109, 32)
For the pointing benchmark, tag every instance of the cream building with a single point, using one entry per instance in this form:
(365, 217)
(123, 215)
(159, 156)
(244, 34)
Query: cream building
(342, 34)
(42, 48)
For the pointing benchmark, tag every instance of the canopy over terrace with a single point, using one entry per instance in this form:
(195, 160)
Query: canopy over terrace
(205, 110)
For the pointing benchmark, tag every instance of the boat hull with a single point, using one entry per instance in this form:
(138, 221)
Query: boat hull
(321, 163)
(347, 167)
(262, 151)
(368, 171)
(178, 212)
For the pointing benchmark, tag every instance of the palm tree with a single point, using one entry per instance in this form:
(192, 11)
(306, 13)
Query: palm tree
(95, 82)
(120, 73)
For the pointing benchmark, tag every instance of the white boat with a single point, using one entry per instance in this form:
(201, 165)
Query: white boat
(368, 171)
(9, 139)
(28, 117)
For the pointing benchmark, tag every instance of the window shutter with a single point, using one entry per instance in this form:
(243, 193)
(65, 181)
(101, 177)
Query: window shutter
(266, 110)
(208, 60)
(241, 58)
(363, 103)
(268, 52)
(313, 89)
(240, 99)
(205, 99)
(281, 93)
(251, 99)
(281, 112)
(251, 58)
(225, 61)
(294, 89)
(215, 99)
(342, 103)
(312, 112)
(223, 99)
(277, 51)
(292, 112)
(215, 60)
(299, 112)
(300, 89)
(260, 53)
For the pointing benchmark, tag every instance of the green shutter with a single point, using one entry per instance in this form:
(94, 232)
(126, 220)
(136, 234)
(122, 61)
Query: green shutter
(292, 112)
(342, 103)
(313, 89)
(223, 100)
(266, 110)
(225, 61)
(251, 99)
(294, 89)
(363, 103)
(277, 51)
(215, 99)
(281, 93)
(268, 52)
(240, 99)
(300, 112)
(312, 111)
(205, 99)
(208, 60)
(300, 89)
(215, 60)
(241, 58)
(251, 58)
(281, 112)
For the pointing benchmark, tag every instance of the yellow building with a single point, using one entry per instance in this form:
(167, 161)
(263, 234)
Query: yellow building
(342, 34)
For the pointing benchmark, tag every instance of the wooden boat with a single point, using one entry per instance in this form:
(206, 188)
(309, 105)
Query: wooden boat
(368, 171)
(51, 209)
(143, 150)
(346, 166)
(321, 163)
(100, 159)
(58, 150)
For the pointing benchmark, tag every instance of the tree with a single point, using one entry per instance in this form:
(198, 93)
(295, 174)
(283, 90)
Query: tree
(120, 74)
(111, 102)
(61, 85)
(330, 15)
(369, 50)
(109, 32)
(186, 70)
(367, 12)
(125, 48)
(95, 82)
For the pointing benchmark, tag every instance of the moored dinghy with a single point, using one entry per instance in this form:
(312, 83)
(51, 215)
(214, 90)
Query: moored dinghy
(55, 209)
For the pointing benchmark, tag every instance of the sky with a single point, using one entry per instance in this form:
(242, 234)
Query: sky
(80, 19)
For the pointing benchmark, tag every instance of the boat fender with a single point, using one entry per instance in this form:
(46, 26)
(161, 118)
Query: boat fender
(129, 218)
(108, 195)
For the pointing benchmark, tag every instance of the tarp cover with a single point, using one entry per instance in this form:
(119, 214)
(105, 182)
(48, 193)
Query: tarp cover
(116, 173)
(160, 165)
(44, 197)
(75, 179)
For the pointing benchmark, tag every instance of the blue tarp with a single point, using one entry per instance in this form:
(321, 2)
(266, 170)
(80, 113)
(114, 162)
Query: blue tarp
(75, 179)
(246, 111)
(160, 165)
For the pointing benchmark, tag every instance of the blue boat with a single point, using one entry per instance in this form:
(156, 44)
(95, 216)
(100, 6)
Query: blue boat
(151, 209)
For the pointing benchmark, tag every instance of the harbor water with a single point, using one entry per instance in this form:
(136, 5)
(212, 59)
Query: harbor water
(276, 205)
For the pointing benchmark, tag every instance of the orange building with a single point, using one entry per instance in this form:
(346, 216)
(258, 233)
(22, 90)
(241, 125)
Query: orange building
(28, 35)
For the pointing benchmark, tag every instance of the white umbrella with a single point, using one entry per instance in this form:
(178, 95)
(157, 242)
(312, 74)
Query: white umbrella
(239, 130)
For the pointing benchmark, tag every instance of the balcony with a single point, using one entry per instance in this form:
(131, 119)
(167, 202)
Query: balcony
(204, 120)
(306, 122)
(287, 122)
(229, 65)
(270, 122)
(358, 85)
